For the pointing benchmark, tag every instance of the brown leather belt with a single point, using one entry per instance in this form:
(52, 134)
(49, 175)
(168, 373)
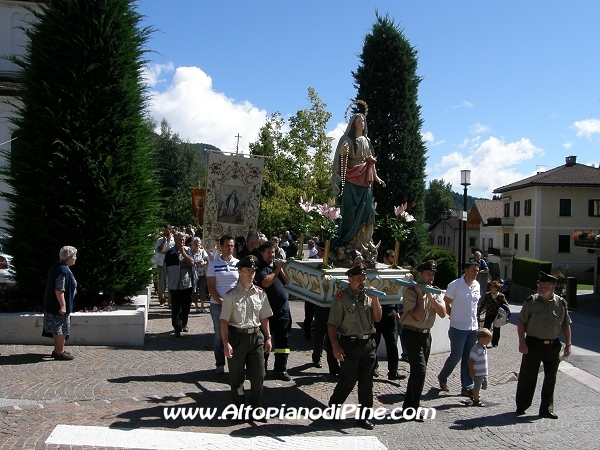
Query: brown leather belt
(418, 330)
(359, 337)
(543, 341)
(244, 330)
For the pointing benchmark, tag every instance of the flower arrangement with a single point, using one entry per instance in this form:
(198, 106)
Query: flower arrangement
(586, 235)
(399, 224)
(327, 214)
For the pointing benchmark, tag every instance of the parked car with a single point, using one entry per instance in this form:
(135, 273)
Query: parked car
(5, 269)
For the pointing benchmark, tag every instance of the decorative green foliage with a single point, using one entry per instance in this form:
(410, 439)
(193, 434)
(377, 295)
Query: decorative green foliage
(438, 200)
(297, 163)
(179, 165)
(386, 79)
(446, 265)
(80, 170)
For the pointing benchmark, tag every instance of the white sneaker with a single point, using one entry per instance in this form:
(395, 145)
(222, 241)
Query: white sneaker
(220, 369)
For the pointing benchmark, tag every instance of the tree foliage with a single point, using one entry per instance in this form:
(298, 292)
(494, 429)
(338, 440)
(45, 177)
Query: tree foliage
(179, 165)
(386, 79)
(81, 172)
(438, 200)
(446, 265)
(297, 163)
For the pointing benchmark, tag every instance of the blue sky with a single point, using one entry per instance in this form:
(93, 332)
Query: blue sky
(509, 88)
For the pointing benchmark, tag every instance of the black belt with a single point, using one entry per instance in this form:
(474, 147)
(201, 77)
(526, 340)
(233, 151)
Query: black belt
(244, 330)
(543, 341)
(359, 337)
(418, 330)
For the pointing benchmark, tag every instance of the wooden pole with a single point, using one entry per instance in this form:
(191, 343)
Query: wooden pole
(326, 254)
(301, 247)
(396, 252)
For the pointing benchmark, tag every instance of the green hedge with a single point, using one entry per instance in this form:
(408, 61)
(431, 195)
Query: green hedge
(446, 266)
(526, 271)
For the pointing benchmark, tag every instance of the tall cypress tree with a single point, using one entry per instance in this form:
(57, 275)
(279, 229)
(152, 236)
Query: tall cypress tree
(387, 80)
(81, 172)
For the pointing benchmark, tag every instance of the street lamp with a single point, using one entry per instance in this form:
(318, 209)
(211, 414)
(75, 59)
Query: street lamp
(465, 180)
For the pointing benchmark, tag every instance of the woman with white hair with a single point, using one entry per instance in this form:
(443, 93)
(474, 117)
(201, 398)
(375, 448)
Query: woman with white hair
(61, 288)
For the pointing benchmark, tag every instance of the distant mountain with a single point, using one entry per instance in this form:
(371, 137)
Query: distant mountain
(458, 200)
(204, 149)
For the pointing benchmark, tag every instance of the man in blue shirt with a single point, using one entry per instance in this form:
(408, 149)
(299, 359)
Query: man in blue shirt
(272, 277)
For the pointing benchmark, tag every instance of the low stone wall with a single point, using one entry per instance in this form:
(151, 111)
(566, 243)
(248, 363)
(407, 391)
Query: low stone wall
(114, 328)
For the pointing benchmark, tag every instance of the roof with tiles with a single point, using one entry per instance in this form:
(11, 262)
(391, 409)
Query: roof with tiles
(570, 174)
(489, 209)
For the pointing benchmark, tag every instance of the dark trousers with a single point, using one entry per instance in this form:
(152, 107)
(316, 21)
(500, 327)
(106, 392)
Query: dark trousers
(248, 353)
(181, 302)
(489, 324)
(321, 340)
(309, 313)
(417, 346)
(280, 324)
(387, 327)
(528, 374)
(357, 366)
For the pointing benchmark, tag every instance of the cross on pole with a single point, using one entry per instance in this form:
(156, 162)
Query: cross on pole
(237, 146)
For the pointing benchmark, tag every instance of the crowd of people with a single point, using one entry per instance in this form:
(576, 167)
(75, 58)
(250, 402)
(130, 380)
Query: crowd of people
(251, 317)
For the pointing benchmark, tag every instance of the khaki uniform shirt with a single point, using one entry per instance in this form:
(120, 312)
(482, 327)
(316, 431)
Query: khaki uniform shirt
(544, 320)
(351, 314)
(409, 300)
(244, 308)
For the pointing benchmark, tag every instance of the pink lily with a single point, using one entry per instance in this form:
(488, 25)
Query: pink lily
(306, 207)
(400, 209)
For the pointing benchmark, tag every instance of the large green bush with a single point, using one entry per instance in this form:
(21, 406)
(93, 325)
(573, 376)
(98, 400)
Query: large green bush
(80, 172)
(446, 265)
(526, 271)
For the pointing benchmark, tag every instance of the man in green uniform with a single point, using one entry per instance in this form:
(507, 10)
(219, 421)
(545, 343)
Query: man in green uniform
(351, 330)
(245, 331)
(418, 317)
(543, 316)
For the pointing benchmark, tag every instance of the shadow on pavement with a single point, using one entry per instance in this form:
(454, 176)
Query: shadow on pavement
(25, 358)
(497, 420)
(155, 416)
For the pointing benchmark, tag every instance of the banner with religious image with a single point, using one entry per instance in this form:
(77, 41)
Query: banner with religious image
(232, 200)
(198, 197)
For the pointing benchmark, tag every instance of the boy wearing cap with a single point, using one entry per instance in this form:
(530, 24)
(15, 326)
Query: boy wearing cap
(462, 297)
(351, 330)
(543, 317)
(418, 317)
(245, 332)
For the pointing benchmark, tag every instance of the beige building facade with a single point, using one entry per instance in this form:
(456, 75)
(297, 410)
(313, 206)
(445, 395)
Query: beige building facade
(540, 214)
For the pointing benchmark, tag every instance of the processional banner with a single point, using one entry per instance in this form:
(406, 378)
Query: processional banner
(232, 199)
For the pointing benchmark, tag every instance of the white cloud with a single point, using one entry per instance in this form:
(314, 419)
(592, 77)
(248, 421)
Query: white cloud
(152, 73)
(479, 128)
(492, 164)
(199, 114)
(587, 127)
(430, 139)
(568, 145)
(336, 134)
(464, 104)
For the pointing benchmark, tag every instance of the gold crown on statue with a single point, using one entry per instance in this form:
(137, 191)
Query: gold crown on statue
(356, 102)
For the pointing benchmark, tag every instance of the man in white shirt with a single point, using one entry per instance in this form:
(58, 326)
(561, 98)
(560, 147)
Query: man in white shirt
(221, 275)
(461, 301)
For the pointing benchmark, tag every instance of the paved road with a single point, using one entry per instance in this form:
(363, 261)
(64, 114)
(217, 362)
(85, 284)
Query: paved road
(114, 398)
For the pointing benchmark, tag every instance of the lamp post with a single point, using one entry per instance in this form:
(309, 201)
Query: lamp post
(465, 180)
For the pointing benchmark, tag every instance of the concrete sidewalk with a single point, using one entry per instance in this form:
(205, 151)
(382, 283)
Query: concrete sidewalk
(107, 390)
